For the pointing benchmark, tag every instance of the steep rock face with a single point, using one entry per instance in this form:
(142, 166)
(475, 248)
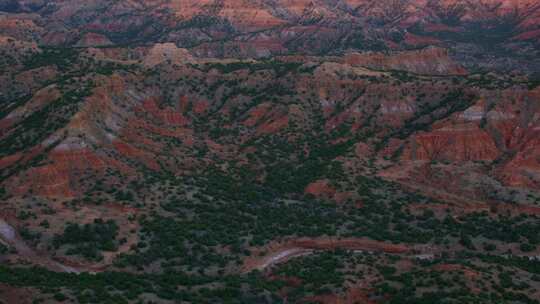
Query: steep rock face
(64, 176)
(453, 143)
(458, 138)
(524, 168)
(499, 129)
(519, 134)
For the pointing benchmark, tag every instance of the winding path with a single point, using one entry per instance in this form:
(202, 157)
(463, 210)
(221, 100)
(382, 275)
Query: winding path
(282, 252)
(10, 237)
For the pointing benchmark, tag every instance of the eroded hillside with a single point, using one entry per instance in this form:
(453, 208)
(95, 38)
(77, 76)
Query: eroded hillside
(269, 151)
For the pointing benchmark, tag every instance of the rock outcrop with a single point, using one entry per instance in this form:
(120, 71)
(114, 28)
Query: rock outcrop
(429, 61)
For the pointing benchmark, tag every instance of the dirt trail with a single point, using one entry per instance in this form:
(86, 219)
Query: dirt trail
(10, 237)
(281, 252)
(282, 256)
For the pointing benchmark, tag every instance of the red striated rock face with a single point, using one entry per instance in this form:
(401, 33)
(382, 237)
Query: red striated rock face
(482, 133)
(131, 152)
(461, 143)
(515, 126)
(167, 116)
(523, 170)
(61, 177)
(266, 120)
(463, 157)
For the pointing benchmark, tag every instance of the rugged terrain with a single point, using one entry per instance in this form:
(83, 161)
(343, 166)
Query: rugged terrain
(269, 151)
